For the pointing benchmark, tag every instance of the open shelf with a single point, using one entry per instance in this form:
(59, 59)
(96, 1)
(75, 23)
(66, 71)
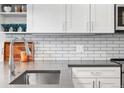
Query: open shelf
(17, 14)
(12, 32)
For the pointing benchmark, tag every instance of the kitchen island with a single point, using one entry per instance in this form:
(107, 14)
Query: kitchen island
(65, 71)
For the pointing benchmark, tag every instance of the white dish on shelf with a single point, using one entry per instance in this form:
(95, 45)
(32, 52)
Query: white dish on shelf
(7, 8)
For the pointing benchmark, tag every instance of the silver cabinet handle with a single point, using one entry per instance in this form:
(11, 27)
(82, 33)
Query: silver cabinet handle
(99, 84)
(92, 26)
(27, 79)
(93, 84)
(87, 26)
(63, 26)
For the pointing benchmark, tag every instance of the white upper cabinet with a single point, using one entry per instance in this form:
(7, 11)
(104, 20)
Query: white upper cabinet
(48, 18)
(102, 18)
(70, 18)
(94, 18)
(78, 18)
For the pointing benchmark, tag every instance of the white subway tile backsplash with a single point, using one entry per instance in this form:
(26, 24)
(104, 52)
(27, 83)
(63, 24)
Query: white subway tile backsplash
(74, 58)
(112, 45)
(87, 58)
(95, 49)
(69, 49)
(89, 52)
(89, 45)
(118, 42)
(101, 39)
(113, 52)
(63, 46)
(55, 49)
(88, 39)
(61, 58)
(100, 45)
(112, 39)
(121, 39)
(55, 55)
(63, 52)
(50, 52)
(121, 52)
(94, 55)
(119, 48)
(121, 45)
(94, 42)
(100, 52)
(106, 49)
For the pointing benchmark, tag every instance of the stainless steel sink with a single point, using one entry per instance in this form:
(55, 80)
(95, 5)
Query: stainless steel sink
(37, 77)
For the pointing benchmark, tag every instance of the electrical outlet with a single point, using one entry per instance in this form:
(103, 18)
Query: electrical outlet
(80, 48)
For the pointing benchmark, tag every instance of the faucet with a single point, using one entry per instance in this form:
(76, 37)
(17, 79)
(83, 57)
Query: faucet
(11, 58)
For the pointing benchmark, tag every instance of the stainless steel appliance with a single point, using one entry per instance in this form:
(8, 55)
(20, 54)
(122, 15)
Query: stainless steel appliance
(121, 62)
(119, 17)
(38, 77)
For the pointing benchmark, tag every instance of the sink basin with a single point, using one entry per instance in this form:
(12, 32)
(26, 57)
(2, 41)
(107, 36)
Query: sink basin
(37, 77)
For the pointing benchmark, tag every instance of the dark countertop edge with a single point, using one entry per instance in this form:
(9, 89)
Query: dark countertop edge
(42, 71)
(94, 65)
(117, 59)
(116, 62)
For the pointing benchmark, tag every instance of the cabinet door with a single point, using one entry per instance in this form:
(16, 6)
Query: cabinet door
(122, 80)
(84, 82)
(108, 83)
(48, 18)
(96, 72)
(78, 20)
(102, 18)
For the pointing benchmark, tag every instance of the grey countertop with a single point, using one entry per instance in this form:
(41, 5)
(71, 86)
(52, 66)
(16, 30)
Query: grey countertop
(65, 76)
(94, 63)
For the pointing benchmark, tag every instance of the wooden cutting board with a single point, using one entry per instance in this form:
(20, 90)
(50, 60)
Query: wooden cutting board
(17, 48)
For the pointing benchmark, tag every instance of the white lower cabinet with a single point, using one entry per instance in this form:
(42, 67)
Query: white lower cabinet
(96, 77)
(84, 82)
(108, 83)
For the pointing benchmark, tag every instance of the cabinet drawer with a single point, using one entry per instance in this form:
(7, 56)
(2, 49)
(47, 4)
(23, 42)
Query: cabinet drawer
(96, 72)
(84, 82)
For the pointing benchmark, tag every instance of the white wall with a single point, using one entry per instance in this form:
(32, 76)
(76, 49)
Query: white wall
(2, 39)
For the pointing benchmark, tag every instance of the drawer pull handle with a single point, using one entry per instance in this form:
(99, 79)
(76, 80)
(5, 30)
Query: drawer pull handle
(93, 84)
(99, 84)
(96, 73)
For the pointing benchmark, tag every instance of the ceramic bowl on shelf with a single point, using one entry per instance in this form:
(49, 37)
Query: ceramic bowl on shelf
(14, 27)
(5, 27)
(7, 8)
(1, 28)
(23, 26)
